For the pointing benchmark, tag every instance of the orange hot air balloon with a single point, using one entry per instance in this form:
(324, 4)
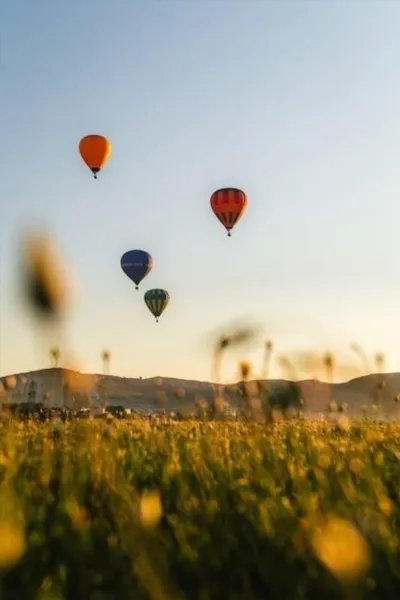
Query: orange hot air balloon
(228, 205)
(95, 151)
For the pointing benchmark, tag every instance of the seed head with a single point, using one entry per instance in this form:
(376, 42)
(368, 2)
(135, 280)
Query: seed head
(245, 369)
(44, 277)
(328, 361)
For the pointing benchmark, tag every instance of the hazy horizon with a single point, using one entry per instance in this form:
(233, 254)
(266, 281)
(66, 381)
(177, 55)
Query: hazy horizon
(294, 102)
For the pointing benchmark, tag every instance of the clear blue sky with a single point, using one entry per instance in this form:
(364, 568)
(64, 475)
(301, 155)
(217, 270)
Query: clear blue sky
(297, 102)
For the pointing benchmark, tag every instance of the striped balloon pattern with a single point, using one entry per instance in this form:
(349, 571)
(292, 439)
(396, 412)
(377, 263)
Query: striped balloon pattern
(156, 301)
(228, 205)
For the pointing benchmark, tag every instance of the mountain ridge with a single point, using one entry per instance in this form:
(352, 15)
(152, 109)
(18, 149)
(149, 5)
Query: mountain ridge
(61, 386)
(206, 381)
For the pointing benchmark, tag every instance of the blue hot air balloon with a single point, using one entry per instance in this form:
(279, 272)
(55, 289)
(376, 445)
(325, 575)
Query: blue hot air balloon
(156, 301)
(136, 264)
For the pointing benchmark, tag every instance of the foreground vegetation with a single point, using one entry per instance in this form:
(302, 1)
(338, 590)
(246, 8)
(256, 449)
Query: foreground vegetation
(97, 510)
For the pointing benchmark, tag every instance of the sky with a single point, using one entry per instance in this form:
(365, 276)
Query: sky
(294, 101)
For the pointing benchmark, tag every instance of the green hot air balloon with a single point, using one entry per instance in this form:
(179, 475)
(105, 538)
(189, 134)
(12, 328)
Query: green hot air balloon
(156, 301)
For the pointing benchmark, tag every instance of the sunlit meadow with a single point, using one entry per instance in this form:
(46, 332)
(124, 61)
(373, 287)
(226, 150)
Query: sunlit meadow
(135, 509)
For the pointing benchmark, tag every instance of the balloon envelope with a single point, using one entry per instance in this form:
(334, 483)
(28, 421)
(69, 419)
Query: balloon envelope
(136, 264)
(156, 301)
(228, 205)
(95, 151)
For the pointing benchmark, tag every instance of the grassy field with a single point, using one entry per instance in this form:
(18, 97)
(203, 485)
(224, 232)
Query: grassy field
(96, 510)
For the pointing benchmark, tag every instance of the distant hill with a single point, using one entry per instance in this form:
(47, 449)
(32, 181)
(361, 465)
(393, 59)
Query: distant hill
(163, 393)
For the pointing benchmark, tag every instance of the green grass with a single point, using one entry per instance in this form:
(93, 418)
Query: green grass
(295, 510)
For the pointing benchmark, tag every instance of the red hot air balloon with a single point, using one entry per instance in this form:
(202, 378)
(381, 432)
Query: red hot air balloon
(228, 205)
